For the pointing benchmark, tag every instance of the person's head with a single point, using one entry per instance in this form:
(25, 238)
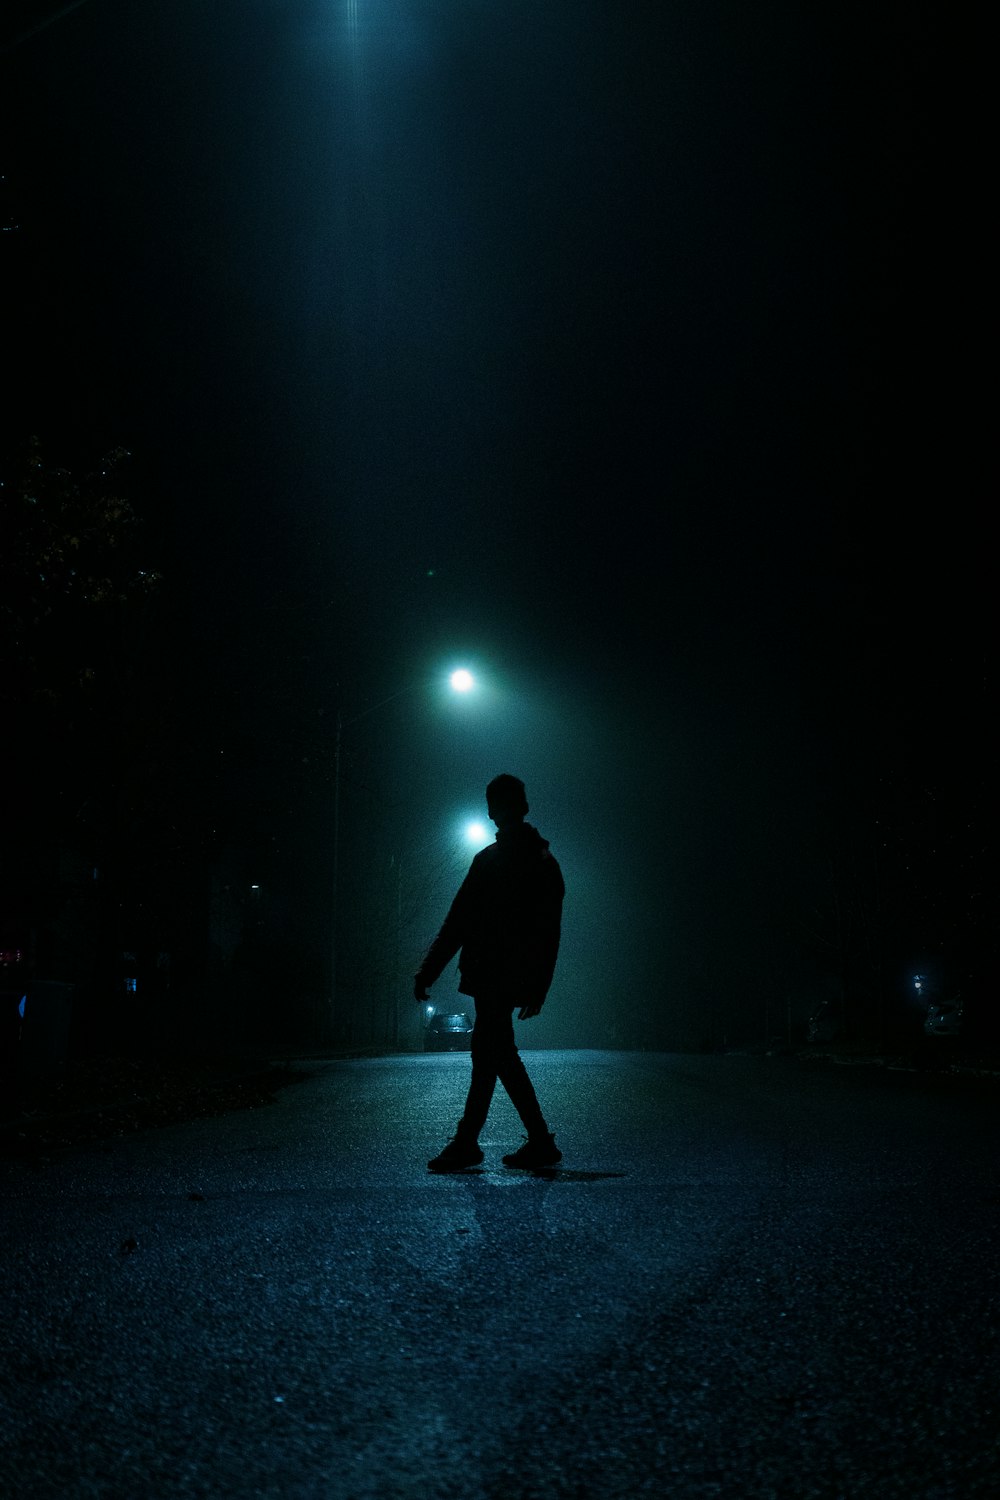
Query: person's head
(506, 800)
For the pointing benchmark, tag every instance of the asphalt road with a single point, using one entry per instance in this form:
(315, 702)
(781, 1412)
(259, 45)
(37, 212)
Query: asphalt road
(747, 1279)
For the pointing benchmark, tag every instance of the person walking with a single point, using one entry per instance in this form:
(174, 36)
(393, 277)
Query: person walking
(504, 923)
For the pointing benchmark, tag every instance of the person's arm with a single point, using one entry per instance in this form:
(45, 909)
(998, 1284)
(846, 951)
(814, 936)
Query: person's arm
(549, 914)
(446, 944)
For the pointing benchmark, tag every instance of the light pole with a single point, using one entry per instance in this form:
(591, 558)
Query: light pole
(461, 680)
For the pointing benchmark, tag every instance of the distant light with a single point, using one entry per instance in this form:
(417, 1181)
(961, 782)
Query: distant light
(477, 834)
(462, 680)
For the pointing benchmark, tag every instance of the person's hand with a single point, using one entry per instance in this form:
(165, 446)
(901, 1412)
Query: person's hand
(420, 990)
(531, 1009)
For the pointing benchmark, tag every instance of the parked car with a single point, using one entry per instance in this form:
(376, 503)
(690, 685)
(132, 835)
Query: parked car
(824, 1023)
(448, 1033)
(944, 1018)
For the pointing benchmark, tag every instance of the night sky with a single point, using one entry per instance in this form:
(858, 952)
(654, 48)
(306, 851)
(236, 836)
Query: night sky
(608, 347)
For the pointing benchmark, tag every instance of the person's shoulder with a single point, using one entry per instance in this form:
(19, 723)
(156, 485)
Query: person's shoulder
(544, 856)
(540, 846)
(548, 863)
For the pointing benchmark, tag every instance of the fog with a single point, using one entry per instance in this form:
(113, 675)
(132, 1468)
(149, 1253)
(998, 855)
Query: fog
(544, 339)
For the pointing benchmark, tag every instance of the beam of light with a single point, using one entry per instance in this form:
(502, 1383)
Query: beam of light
(462, 680)
(354, 46)
(477, 834)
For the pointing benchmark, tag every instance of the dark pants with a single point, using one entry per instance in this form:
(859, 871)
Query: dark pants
(495, 1055)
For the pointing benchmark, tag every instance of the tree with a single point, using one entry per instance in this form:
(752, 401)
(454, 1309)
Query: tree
(99, 808)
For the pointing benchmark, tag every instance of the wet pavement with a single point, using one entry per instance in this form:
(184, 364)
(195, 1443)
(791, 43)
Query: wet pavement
(746, 1279)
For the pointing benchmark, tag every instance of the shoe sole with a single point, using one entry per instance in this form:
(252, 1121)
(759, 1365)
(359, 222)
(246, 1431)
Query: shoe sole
(446, 1167)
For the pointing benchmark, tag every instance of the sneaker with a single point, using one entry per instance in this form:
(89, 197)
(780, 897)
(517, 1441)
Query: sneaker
(537, 1151)
(459, 1153)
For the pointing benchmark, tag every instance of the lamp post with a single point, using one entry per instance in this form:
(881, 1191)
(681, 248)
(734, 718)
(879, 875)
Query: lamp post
(461, 680)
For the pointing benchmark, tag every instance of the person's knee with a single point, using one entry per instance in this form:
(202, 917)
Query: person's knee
(493, 1044)
(484, 1043)
(505, 1053)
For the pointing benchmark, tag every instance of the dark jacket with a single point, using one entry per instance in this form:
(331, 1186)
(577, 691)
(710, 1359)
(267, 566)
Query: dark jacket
(505, 919)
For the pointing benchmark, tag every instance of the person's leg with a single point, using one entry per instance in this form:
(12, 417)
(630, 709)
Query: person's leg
(463, 1151)
(514, 1077)
(539, 1150)
(484, 1066)
(495, 1055)
(487, 1043)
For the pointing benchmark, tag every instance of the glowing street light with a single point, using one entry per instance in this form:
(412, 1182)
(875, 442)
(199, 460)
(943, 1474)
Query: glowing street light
(462, 680)
(476, 833)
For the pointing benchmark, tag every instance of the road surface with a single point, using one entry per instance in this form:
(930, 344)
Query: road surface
(747, 1279)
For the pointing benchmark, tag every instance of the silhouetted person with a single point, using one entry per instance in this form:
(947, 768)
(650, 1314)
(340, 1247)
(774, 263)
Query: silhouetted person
(505, 920)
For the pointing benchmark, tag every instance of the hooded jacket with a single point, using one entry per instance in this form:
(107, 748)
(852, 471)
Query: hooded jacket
(504, 921)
